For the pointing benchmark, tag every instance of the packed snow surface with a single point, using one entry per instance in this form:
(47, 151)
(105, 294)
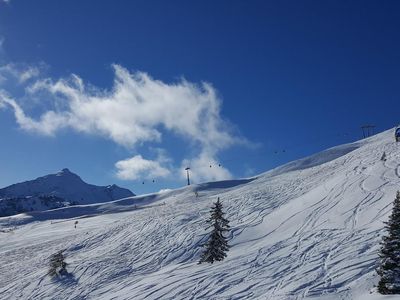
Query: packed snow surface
(309, 229)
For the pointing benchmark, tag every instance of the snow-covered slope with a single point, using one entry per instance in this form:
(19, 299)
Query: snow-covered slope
(309, 229)
(53, 191)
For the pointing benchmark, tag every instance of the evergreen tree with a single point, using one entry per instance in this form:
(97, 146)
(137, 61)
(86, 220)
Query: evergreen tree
(389, 268)
(217, 245)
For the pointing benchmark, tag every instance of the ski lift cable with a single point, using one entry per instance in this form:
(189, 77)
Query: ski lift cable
(312, 141)
(221, 162)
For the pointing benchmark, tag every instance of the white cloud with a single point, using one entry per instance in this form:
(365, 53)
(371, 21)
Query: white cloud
(204, 168)
(20, 72)
(136, 106)
(28, 74)
(138, 168)
(46, 123)
(138, 109)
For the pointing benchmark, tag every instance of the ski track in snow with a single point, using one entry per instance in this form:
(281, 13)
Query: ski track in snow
(307, 233)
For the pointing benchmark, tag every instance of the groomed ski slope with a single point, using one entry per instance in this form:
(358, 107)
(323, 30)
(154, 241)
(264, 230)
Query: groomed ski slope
(309, 229)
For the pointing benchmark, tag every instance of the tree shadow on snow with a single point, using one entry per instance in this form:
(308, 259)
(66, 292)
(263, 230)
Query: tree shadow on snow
(65, 279)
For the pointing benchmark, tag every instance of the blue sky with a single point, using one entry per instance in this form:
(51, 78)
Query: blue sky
(131, 91)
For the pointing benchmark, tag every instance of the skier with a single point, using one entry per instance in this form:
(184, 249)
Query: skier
(383, 157)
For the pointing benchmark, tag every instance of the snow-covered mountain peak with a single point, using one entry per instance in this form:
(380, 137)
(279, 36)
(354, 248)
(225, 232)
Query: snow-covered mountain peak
(59, 189)
(65, 172)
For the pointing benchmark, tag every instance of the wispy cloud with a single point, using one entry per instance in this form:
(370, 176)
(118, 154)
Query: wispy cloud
(19, 72)
(44, 125)
(138, 109)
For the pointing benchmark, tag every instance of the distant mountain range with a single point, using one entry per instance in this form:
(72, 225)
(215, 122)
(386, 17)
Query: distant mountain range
(53, 191)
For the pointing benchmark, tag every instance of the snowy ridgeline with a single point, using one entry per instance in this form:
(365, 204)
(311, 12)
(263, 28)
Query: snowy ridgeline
(15, 205)
(54, 191)
(309, 229)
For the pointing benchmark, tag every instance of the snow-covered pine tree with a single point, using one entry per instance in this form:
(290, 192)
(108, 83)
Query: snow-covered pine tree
(389, 264)
(217, 245)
